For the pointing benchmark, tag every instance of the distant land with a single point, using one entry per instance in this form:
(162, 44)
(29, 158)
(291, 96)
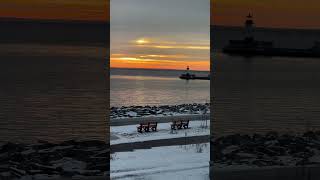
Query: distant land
(82, 33)
(267, 28)
(282, 37)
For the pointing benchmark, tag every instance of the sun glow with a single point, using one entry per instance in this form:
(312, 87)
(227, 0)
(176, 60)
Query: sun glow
(175, 47)
(154, 61)
(157, 53)
(142, 41)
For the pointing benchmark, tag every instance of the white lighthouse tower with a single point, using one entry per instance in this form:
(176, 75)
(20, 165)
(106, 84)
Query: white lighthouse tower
(249, 27)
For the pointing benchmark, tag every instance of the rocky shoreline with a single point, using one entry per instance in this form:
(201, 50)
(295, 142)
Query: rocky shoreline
(270, 149)
(164, 110)
(63, 160)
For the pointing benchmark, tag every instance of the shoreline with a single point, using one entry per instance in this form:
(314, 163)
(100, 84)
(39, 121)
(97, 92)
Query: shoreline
(69, 159)
(125, 112)
(267, 150)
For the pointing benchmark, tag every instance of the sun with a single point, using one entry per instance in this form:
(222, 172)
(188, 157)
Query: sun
(142, 41)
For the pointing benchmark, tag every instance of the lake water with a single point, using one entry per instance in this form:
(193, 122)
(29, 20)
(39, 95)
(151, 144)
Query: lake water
(156, 87)
(261, 94)
(52, 96)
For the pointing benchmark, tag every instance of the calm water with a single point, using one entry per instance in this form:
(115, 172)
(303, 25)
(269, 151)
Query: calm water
(261, 94)
(156, 87)
(52, 98)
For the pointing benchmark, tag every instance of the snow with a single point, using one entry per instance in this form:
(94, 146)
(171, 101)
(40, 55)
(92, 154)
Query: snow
(131, 114)
(167, 162)
(129, 133)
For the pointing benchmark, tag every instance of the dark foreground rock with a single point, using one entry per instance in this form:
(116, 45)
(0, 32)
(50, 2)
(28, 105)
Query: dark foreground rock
(66, 159)
(269, 149)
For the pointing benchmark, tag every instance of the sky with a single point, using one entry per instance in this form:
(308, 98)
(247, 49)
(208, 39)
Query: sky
(271, 13)
(86, 10)
(160, 34)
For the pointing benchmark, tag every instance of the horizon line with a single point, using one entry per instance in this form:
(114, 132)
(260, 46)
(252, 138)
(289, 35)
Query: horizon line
(155, 69)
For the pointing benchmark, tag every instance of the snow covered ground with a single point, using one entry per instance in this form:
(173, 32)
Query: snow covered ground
(125, 134)
(168, 162)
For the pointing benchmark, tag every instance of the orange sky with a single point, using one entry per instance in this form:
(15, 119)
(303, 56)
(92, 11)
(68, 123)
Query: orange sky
(88, 10)
(271, 13)
(159, 54)
(160, 34)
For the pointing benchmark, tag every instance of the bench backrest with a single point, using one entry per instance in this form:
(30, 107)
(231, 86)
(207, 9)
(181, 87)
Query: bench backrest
(148, 123)
(153, 123)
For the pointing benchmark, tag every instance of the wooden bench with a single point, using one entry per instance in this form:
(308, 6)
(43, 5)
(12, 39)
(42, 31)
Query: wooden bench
(180, 124)
(147, 126)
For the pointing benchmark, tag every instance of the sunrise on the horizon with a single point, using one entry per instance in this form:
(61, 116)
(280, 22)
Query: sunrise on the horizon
(161, 55)
(160, 35)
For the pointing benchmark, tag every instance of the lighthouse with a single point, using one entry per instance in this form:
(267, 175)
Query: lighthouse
(187, 71)
(249, 26)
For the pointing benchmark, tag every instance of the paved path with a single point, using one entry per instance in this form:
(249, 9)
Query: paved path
(123, 147)
(163, 119)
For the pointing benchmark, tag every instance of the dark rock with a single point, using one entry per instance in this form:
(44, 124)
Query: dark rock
(95, 166)
(310, 135)
(12, 148)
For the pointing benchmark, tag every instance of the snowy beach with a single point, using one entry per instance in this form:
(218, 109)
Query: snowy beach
(233, 154)
(165, 153)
